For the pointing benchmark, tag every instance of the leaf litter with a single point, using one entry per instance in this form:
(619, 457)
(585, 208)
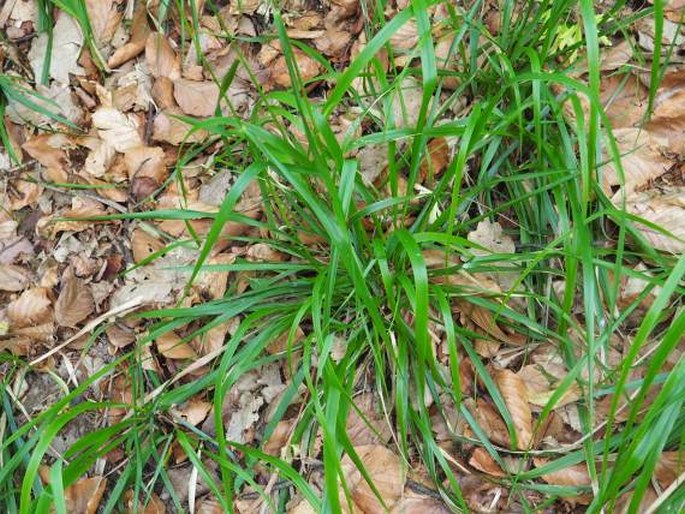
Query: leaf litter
(60, 269)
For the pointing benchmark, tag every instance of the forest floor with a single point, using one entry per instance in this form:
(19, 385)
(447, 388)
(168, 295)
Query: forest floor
(404, 256)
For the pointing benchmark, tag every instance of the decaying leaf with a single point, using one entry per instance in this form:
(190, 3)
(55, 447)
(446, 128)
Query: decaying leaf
(368, 426)
(664, 208)
(173, 347)
(490, 421)
(75, 301)
(161, 59)
(84, 496)
(669, 467)
(573, 476)
(33, 307)
(151, 505)
(196, 98)
(13, 278)
(482, 461)
(513, 390)
(120, 131)
(384, 469)
(67, 40)
(194, 411)
(417, 503)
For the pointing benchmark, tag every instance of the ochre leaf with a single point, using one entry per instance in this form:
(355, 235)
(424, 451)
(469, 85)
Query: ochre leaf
(384, 469)
(513, 390)
(75, 301)
(84, 496)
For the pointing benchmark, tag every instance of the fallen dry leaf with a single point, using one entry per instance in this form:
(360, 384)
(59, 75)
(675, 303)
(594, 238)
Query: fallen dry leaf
(384, 469)
(416, 503)
(482, 461)
(196, 98)
(513, 390)
(120, 131)
(84, 496)
(161, 59)
(576, 475)
(67, 40)
(171, 346)
(490, 421)
(143, 245)
(664, 208)
(75, 301)
(669, 467)
(33, 307)
(13, 278)
(151, 505)
(371, 427)
(194, 411)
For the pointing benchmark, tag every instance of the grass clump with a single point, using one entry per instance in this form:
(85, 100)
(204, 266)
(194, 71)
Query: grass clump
(378, 276)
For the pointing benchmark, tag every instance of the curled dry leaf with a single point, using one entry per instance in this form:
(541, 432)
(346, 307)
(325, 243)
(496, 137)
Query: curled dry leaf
(573, 476)
(669, 467)
(405, 38)
(120, 131)
(13, 278)
(664, 208)
(194, 411)
(371, 426)
(513, 390)
(67, 40)
(136, 43)
(279, 437)
(143, 245)
(436, 159)
(173, 347)
(417, 503)
(161, 59)
(75, 301)
(84, 496)
(151, 505)
(482, 461)
(196, 98)
(33, 307)
(385, 470)
(489, 421)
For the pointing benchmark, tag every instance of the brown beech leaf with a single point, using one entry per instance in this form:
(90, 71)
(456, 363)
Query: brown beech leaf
(572, 476)
(33, 307)
(118, 130)
(139, 33)
(482, 461)
(665, 208)
(173, 347)
(416, 503)
(484, 320)
(384, 469)
(146, 161)
(152, 504)
(13, 278)
(196, 98)
(436, 159)
(669, 467)
(143, 245)
(490, 421)
(371, 426)
(169, 129)
(84, 496)
(279, 437)
(104, 18)
(161, 59)
(194, 411)
(75, 301)
(490, 236)
(513, 390)
(642, 160)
